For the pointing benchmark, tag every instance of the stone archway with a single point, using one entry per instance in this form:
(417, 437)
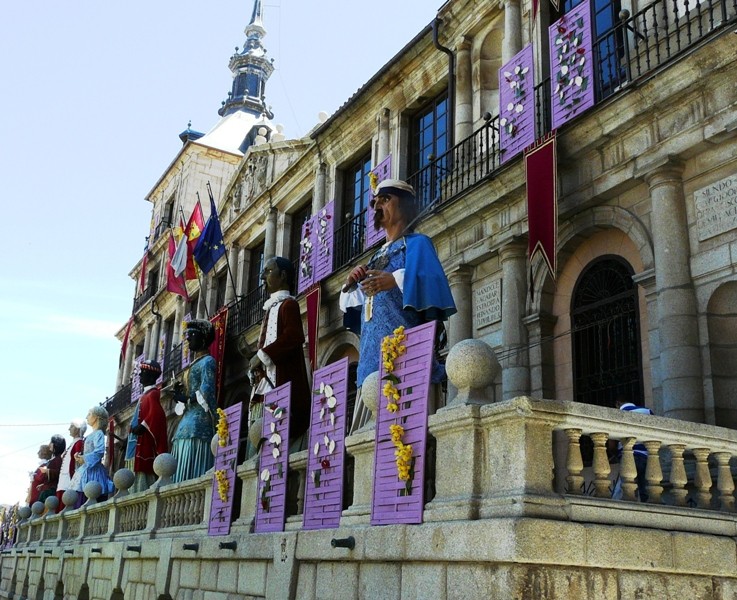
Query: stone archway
(721, 320)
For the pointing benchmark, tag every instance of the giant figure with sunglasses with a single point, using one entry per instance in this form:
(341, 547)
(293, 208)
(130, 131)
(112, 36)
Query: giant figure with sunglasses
(402, 284)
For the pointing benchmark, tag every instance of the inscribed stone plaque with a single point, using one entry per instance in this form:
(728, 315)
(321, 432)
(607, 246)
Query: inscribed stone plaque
(716, 207)
(488, 303)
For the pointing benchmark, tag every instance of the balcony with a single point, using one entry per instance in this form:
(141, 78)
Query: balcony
(118, 401)
(514, 489)
(246, 311)
(145, 296)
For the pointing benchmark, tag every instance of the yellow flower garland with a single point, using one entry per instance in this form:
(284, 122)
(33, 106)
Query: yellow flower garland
(223, 484)
(392, 347)
(222, 428)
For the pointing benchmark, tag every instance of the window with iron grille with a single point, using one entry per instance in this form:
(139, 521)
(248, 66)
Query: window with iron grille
(298, 220)
(255, 267)
(356, 195)
(608, 40)
(428, 144)
(222, 283)
(605, 320)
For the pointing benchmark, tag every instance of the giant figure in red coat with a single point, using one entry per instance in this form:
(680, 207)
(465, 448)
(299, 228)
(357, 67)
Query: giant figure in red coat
(280, 357)
(149, 427)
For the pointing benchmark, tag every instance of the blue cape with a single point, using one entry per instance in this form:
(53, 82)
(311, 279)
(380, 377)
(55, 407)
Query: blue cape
(426, 288)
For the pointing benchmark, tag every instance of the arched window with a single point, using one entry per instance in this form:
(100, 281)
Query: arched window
(605, 320)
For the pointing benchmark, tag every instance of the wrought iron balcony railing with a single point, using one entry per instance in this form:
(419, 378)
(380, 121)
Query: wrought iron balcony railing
(118, 401)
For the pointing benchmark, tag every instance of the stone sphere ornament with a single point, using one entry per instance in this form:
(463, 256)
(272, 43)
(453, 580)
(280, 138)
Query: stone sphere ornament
(471, 366)
(69, 498)
(123, 480)
(24, 512)
(37, 509)
(254, 431)
(165, 465)
(92, 490)
(51, 503)
(370, 397)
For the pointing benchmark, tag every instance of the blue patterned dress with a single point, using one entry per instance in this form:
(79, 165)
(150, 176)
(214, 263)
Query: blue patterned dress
(191, 443)
(92, 467)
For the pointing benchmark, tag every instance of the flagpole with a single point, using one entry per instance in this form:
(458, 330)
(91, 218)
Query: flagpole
(203, 289)
(227, 259)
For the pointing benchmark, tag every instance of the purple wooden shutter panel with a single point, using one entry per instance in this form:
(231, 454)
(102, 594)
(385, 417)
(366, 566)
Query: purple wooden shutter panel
(136, 387)
(323, 248)
(324, 496)
(306, 266)
(383, 171)
(571, 65)
(517, 104)
(227, 460)
(388, 505)
(186, 358)
(270, 517)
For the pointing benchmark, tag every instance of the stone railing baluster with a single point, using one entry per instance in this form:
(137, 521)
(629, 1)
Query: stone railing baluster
(702, 478)
(628, 470)
(653, 472)
(574, 463)
(725, 482)
(678, 477)
(601, 465)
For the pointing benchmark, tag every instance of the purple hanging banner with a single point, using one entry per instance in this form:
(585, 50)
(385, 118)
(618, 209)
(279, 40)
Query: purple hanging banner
(273, 462)
(307, 253)
(401, 428)
(517, 104)
(136, 387)
(571, 65)
(379, 173)
(325, 465)
(323, 249)
(226, 460)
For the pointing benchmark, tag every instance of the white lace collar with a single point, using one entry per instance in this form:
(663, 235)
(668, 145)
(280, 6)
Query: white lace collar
(276, 297)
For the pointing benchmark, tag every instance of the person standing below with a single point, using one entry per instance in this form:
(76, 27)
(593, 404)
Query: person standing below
(638, 450)
(280, 357)
(90, 462)
(403, 284)
(77, 429)
(147, 438)
(191, 441)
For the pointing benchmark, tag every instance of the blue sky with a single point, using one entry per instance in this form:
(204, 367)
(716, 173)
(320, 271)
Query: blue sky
(94, 95)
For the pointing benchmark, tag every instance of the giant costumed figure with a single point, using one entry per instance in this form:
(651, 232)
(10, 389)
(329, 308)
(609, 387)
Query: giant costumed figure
(402, 284)
(197, 403)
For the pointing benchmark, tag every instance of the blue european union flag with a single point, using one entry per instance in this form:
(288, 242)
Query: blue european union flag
(210, 245)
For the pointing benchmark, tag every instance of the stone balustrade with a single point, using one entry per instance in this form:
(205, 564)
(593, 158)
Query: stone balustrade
(522, 457)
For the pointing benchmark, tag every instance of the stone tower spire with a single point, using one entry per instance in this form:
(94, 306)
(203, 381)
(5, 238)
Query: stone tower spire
(251, 69)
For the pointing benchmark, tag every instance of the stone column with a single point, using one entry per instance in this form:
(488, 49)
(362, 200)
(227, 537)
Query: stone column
(178, 316)
(129, 358)
(460, 325)
(515, 360)
(319, 192)
(542, 364)
(270, 234)
(383, 146)
(147, 341)
(230, 281)
(512, 30)
(241, 271)
(153, 350)
(464, 91)
(680, 362)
